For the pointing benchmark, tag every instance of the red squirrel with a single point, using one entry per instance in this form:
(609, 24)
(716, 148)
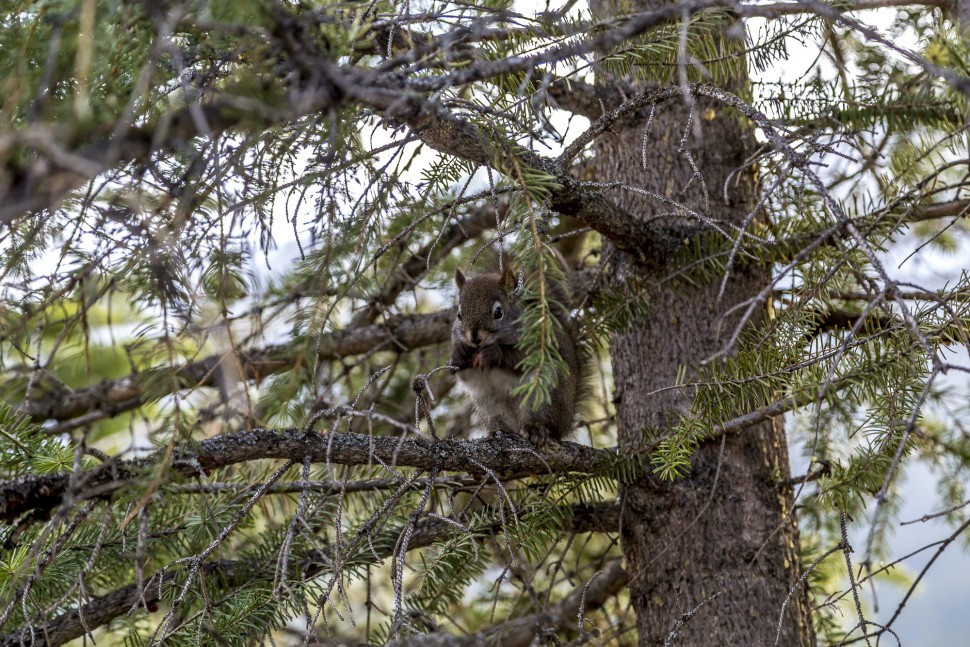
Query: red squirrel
(485, 358)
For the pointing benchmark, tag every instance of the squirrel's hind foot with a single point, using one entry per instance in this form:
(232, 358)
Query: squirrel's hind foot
(538, 434)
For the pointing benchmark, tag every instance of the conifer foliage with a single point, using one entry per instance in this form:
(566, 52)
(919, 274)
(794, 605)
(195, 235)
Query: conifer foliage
(228, 231)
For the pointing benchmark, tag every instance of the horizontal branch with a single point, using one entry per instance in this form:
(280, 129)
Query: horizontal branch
(507, 457)
(933, 211)
(402, 333)
(600, 517)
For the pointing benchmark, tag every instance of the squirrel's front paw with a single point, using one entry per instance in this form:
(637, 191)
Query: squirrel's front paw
(488, 357)
(536, 433)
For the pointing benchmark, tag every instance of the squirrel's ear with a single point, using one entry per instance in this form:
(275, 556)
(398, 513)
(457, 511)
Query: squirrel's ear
(459, 278)
(509, 279)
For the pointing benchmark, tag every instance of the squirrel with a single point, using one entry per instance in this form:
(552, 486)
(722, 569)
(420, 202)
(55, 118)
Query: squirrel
(484, 355)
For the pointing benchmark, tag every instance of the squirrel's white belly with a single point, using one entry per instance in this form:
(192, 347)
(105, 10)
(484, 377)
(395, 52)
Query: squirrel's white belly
(491, 390)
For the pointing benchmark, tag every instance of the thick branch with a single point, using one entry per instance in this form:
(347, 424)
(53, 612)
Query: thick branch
(401, 334)
(952, 209)
(504, 456)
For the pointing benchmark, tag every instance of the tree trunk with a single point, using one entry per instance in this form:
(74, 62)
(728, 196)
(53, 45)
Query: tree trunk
(725, 535)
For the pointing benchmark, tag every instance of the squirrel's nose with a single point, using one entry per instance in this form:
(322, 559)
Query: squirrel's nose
(476, 337)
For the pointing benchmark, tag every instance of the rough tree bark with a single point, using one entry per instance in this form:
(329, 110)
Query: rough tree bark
(733, 546)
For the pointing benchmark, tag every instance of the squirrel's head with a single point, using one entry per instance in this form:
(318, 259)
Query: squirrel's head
(487, 307)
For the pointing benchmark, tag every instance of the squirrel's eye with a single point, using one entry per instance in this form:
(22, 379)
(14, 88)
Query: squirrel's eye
(497, 312)
(459, 315)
